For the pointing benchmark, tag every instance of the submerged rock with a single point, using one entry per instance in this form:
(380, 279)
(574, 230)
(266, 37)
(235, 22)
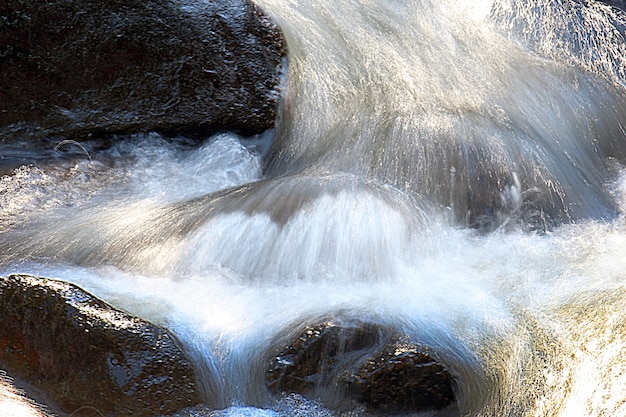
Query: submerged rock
(84, 68)
(85, 354)
(347, 364)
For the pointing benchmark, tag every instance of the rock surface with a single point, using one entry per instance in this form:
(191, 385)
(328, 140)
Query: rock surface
(343, 364)
(83, 68)
(84, 354)
(402, 378)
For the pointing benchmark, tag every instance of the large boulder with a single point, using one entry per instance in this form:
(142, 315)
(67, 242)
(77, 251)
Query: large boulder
(84, 354)
(83, 68)
(345, 364)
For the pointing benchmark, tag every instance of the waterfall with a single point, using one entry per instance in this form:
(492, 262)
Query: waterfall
(418, 89)
(452, 169)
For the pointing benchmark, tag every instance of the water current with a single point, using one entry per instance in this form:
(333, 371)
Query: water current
(453, 169)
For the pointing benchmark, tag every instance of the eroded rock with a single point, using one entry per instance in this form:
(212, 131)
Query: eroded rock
(83, 353)
(83, 68)
(344, 364)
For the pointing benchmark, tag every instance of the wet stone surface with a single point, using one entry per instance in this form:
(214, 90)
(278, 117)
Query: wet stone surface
(86, 68)
(347, 364)
(83, 353)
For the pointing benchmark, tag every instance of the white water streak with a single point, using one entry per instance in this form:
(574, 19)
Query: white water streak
(404, 122)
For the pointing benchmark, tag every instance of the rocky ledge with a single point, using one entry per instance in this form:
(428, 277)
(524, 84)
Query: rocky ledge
(82, 68)
(86, 355)
(346, 364)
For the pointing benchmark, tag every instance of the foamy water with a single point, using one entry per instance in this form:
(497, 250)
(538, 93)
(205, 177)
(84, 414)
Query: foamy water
(449, 170)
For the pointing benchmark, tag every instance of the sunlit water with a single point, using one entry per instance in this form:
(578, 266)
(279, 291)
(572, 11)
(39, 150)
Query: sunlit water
(451, 169)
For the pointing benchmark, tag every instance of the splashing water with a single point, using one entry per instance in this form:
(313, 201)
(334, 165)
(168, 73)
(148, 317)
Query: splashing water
(451, 169)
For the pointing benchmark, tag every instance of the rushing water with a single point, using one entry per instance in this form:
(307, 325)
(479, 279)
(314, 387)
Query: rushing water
(453, 169)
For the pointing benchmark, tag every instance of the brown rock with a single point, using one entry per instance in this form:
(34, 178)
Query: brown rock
(83, 353)
(347, 363)
(81, 68)
(403, 378)
(318, 354)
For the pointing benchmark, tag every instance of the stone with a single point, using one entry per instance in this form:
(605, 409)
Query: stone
(78, 69)
(347, 364)
(403, 378)
(86, 355)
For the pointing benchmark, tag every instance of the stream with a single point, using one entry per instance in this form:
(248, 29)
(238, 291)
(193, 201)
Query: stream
(451, 169)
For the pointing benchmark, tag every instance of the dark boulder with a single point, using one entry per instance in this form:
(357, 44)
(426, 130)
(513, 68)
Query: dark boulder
(83, 68)
(402, 378)
(84, 354)
(346, 364)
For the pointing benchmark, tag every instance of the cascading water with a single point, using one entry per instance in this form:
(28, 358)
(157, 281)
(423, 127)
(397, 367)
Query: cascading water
(451, 169)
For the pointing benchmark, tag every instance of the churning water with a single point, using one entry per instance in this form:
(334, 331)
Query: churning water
(453, 169)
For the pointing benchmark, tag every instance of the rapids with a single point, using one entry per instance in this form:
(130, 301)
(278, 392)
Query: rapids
(453, 169)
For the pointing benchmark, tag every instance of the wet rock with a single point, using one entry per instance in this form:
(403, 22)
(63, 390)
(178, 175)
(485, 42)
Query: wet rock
(86, 355)
(402, 378)
(316, 355)
(346, 364)
(82, 68)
